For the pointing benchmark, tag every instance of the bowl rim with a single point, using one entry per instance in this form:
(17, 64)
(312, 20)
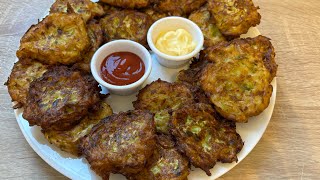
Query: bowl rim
(196, 50)
(97, 77)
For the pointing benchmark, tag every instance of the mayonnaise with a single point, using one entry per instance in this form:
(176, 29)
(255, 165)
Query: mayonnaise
(175, 43)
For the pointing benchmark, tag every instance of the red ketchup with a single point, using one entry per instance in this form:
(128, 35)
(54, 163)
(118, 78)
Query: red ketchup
(122, 68)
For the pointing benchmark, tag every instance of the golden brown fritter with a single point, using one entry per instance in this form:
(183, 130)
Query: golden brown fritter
(121, 143)
(127, 3)
(86, 8)
(234, 17)
(60, 98)
(161, 98)
(178, 7)
(238, 81)
(160, 95)
(95, 34)
(69, 140)
(58, 39)
(22, 74)
(202, 138)
(206, 22)
(126, 24)
(165, 163)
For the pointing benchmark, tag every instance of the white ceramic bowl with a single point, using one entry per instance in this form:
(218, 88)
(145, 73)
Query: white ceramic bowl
(171, 24)
(121, 46)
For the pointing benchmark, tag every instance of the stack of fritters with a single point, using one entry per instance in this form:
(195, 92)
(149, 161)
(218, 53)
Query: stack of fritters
(194, 128)
(174, 125)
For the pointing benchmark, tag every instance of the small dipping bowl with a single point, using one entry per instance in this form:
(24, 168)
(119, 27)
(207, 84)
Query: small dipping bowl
(121, 46)
(171, 24)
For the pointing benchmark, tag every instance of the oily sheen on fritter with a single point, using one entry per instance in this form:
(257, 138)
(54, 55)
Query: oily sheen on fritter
(121, 143)
(161, 97)
(22, 74)
(59, 38)
(238, 79)
(60, 98)
(234, 17)
(68, 140)
(204, 139)
(86, 8)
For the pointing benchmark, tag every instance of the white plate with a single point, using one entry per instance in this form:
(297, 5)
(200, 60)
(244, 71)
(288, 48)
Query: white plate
(78, 168)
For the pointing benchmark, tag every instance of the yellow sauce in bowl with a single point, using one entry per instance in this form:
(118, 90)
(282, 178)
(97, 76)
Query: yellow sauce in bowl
(175, 43)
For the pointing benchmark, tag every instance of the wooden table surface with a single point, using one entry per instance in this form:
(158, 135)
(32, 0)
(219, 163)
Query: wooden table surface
(290, 147)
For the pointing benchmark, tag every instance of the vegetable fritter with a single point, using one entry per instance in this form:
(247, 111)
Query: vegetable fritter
(238, 80)
(87, 9)
(60, 98)
(179, 7)
(121, 143)
(22, 74)
(127, 3)
(165, 163)
(69, 140)
(206, 22)
(59, 38)
(96, 38)
(202, 138)
(126, 24)
(161, 98)
(234, 17)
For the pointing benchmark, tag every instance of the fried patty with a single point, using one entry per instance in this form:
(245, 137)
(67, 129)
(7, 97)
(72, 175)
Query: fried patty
(234, 17)
(207, 24)
(202, 138)
(60, 98)
(121, 143)
(87, 9)
(96, 39)
(165, 163)
(69, 140)
(126, 24)
(238, 80)
(127, 3)
(58, 39)
(178, 7)
(161, 98)
(22, 74)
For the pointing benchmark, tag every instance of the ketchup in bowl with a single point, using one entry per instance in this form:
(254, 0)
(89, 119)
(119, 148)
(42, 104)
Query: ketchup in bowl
(122, 68)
